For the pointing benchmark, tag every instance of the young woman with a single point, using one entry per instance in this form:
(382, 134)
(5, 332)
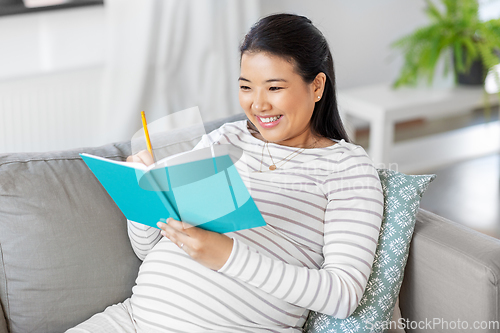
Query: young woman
(319, 194)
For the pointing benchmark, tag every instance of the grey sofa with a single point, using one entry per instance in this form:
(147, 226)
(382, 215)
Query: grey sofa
(65, 253)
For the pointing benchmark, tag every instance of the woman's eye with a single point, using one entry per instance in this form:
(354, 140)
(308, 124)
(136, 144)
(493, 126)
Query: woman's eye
(244, 87)
(275, 88)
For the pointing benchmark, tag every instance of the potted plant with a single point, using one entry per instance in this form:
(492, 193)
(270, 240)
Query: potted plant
(472, 42)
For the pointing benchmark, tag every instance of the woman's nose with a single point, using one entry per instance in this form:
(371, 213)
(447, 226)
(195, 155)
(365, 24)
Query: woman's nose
(260, 102)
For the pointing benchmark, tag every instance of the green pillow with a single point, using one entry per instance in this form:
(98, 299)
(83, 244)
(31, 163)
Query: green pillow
(402, 194)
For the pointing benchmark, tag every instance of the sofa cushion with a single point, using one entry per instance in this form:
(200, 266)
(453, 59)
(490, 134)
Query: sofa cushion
(452, 278)
(402, 194)
(65, 253)
(64, 250)
(3, 324)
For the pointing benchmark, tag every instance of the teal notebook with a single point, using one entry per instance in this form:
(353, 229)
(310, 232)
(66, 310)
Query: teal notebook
(200, 187)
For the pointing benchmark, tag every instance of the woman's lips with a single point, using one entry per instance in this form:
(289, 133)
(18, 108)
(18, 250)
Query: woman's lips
(270, 123)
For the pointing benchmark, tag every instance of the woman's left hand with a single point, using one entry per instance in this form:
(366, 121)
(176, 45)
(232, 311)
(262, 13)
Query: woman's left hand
(209, 248)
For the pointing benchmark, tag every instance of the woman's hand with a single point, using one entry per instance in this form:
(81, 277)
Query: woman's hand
(143, 157)
(209, 248)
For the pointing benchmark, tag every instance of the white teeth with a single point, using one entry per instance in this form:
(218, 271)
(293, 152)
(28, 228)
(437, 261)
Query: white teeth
(270, 119)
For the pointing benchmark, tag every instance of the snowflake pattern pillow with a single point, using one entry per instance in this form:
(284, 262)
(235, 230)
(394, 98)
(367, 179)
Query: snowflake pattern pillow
(402, 194)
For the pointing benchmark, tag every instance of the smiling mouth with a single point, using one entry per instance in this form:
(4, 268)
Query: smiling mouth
(269, 119)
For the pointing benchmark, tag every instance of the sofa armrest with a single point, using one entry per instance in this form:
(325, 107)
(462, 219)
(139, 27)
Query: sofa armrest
(451, 279)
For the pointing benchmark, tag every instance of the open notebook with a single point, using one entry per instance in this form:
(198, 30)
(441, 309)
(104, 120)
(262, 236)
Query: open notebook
(201, 187)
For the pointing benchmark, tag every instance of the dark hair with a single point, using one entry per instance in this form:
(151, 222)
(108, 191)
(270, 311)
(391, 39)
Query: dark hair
(295, 38)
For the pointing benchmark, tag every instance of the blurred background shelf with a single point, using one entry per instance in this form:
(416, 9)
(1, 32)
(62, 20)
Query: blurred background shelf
(466, 190)
(383, 106)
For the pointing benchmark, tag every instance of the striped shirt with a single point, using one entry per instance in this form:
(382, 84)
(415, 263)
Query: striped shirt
(323, 210)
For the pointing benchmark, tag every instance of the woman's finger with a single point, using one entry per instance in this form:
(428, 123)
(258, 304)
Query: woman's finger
(209, 248)
(180, 226)
(178, 237)
(145, 157)
(134, 158)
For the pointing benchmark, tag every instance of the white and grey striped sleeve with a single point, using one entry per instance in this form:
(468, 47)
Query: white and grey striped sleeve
(352, 220)
(142, 237)
(352, 224)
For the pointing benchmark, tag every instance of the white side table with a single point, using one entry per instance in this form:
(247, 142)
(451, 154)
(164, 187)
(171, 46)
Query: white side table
(383, 106)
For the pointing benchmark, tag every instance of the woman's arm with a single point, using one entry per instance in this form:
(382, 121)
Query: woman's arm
(142, 237)
(352, 221)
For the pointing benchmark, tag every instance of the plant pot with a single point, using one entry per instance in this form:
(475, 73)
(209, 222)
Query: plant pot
(474, 77)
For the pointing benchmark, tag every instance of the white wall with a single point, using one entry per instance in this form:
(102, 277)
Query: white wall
(51, 67)
(359, 33)
(51, 41)
(489, 9)
(43, 47)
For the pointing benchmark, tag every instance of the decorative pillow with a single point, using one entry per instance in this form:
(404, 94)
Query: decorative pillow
(402, 194)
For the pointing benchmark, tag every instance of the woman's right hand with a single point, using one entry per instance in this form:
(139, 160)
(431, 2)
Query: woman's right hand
(143, 157)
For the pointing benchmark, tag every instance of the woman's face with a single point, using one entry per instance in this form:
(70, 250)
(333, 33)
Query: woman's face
(277, 100)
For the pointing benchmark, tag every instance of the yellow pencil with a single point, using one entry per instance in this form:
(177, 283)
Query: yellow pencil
(146, 133)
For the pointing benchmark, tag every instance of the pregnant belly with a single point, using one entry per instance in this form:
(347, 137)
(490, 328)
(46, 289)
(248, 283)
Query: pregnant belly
(175, 293)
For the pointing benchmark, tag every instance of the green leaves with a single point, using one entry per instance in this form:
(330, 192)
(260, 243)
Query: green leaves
(457, 29)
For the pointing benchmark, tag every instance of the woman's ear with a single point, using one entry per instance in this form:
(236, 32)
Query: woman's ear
(319, 85)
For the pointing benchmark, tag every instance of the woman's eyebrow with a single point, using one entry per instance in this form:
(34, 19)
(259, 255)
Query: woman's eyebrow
(276, 80)
(267, 81)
